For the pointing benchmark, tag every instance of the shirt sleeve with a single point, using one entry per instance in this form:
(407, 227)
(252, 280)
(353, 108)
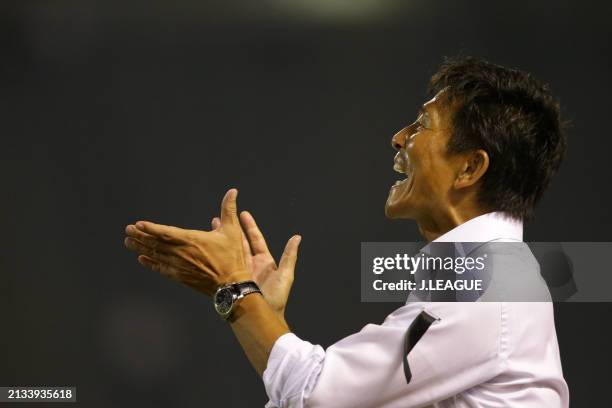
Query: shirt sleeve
(463, 347)
(292, 371)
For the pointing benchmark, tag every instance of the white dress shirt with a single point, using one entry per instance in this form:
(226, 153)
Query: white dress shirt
(482, 354)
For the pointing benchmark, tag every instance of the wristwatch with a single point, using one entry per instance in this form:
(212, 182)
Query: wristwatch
(227, 296)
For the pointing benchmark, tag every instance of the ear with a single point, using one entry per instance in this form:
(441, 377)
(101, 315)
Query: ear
(473, 167)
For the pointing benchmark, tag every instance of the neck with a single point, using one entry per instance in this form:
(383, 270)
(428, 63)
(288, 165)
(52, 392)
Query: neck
(435, 225)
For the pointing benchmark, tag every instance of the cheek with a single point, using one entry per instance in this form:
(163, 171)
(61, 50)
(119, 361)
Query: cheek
(435, 173)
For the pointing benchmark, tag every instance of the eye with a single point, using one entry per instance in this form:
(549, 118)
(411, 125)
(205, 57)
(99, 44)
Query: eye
(419, 126)
(419, 123)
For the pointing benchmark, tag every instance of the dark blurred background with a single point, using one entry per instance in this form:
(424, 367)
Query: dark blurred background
(118, 111)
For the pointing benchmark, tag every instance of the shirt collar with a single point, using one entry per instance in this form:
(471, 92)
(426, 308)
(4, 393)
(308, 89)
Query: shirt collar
(493, 226)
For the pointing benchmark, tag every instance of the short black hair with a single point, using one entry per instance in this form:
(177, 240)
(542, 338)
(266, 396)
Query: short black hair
(515, 119)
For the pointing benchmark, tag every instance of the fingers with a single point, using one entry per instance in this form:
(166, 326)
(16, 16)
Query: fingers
(146, 239)
(155, 254)
(216, 223)
(229, 208)
(246, 249)
(163, 232)
(290, 254)
(197, 282)
(254, 235)
(253, 240)
(163, 269)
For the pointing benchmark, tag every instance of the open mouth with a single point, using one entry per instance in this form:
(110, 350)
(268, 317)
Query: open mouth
(402, 165)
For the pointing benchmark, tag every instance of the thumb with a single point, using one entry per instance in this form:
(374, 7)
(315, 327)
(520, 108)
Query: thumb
(290, 254)
(229, 208)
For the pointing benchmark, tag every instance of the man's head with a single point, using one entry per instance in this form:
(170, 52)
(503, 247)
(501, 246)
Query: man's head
(489, 140)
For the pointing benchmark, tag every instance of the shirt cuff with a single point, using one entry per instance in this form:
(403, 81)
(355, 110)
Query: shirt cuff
(291, 371)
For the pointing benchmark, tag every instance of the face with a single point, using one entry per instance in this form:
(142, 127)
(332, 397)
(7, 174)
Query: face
(422, 158)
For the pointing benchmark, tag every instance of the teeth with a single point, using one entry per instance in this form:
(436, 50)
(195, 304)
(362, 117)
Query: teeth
(398, 168)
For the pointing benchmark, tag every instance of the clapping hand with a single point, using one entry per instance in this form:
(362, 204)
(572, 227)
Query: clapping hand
(273, 279)
(202, 260)
(206, 260)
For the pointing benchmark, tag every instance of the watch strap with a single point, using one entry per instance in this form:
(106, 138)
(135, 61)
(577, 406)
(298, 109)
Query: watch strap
(246, 288)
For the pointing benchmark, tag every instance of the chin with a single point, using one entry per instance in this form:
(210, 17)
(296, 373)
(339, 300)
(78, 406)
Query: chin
(395, 211)
(389, 213)
(398, 205)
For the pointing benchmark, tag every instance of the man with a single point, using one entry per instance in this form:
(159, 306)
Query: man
(476, 161)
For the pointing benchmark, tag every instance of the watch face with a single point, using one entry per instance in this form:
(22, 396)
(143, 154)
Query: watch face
(224, 299)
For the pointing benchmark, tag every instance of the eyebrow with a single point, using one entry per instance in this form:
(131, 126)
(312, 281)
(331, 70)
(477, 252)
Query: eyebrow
(424, 112)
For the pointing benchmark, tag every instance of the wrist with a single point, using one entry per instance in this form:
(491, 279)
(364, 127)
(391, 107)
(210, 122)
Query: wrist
(228, 296)
(240, 276)
(252, 305)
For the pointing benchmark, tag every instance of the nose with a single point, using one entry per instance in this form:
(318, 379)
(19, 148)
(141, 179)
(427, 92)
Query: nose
(398, 140)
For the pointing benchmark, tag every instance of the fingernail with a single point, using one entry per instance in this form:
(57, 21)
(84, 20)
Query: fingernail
(140, 225)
